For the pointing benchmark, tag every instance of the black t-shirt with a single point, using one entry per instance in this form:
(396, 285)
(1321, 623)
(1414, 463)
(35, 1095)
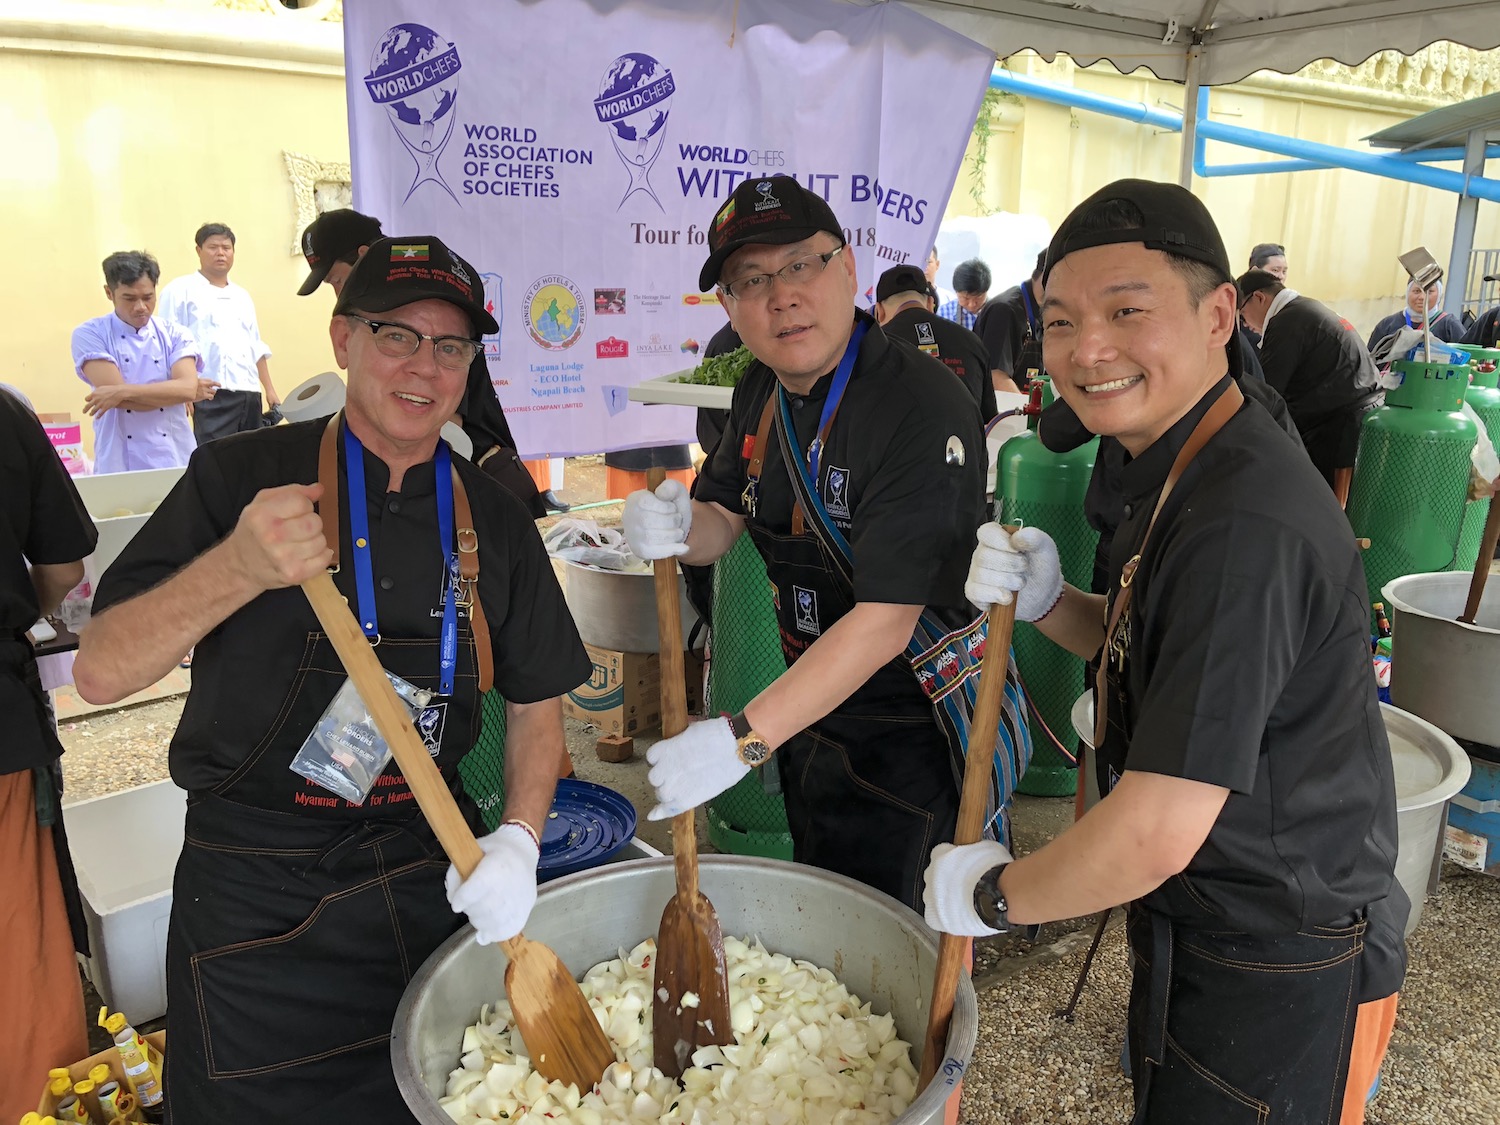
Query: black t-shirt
(958, 349)
(1445, 327)
(1002, 327)
(255, 654)
(1249, 668)
(908, 440)
(42, 520)
(1485, 332)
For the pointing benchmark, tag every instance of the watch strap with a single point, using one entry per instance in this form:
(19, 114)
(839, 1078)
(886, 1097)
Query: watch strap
(739, 726)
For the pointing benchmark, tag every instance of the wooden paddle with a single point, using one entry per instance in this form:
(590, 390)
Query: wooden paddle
(560, 1031)
(978, 764)
(689, 942)
(1482, 564)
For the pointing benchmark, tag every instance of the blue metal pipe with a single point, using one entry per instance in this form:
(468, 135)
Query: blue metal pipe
(1082, 99)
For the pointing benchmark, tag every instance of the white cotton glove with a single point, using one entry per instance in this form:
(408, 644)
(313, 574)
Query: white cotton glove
(951, 876)
(689, 768)
(1023, 565)
(498, 894)
(656, 525)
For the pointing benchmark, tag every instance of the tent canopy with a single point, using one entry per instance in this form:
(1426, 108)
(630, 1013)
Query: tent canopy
(1228, 41)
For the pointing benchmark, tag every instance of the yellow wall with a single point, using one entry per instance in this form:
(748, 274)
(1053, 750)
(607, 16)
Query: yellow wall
(109, 153)
(1342, 229)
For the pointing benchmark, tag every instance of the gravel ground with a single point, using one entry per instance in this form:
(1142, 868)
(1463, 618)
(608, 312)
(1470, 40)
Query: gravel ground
(1444, 1061)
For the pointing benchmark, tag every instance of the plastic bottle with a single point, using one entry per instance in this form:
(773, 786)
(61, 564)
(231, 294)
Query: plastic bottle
(145, 1083)
(110, 1096)
(70, 1109)
(88, 1108)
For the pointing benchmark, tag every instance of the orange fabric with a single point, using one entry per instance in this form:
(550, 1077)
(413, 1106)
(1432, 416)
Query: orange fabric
(955, 1099)
(620, 483)
(1372, 1034)
(41, 1005)
(541, 473)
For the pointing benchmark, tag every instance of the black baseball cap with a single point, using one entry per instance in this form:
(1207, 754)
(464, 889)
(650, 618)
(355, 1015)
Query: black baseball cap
(774, 210)
(1173, 219)
(332, 236)
(902, 279)
(1252, 282)
(415, 267)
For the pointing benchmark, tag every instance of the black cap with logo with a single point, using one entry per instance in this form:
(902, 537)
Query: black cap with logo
(415, 267)
(902, 279)
(774, 210)
(334, 236)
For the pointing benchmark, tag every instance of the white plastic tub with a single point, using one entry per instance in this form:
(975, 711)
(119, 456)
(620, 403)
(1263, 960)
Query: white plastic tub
(109, 494)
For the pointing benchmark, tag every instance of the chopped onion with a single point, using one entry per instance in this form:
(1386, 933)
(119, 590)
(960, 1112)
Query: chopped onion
(806, 1052)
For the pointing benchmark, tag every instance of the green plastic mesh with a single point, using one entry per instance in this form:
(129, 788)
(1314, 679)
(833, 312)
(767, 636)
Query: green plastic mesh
(483, 768)
(1408, 498)
(1054, 677)
(746, 657)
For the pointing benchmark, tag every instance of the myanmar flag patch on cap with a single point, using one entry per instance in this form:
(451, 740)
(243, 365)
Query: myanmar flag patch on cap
(725, 214)
(408, 251)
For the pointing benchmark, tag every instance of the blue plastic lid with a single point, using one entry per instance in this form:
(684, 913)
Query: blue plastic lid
(588, 824)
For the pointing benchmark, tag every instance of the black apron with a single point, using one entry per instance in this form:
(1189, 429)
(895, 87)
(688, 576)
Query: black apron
(869, 788)
(298, 919)
(1224, 1026)
(1029, 359)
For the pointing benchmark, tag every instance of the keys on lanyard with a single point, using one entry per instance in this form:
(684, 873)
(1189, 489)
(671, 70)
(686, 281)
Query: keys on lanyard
(364, 576)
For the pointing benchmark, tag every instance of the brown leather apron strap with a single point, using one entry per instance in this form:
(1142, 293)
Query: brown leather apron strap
(328, 477)
(1212, 422)
(468, 545)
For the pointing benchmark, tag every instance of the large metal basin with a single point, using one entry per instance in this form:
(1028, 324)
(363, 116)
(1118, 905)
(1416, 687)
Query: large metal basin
(1445, 671)
(880, 949)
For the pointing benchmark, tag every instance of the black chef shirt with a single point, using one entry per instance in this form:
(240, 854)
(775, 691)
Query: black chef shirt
(914, 507)
(42, 520)
(958, 349)
(1002, 327)
(1485, 332)
(1249, 668)
(251, 660)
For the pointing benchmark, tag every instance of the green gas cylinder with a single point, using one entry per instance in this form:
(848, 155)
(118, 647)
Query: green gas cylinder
(1411, 475)
(1484, 396)
(1039, 488)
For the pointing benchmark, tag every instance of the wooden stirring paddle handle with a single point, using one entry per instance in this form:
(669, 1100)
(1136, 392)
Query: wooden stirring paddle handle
(674, 719)
(1482, 564)
(978, 765)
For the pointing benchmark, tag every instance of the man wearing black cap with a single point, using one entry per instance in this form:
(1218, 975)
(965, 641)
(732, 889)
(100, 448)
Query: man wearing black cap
(903, 307)
(1311, 355)
(332, 243)
(1011, 329)
(1249, 821)
(857, 468)
(300, 915)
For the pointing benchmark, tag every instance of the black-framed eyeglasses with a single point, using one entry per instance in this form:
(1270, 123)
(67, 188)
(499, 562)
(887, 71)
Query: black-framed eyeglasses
(795, 273)
(401, 340)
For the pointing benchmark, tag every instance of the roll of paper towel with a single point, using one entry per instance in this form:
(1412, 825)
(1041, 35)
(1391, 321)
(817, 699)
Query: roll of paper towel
(319, 397)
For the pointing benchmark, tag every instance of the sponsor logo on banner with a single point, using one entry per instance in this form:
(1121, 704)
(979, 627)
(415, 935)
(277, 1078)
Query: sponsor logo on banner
(414, 75)
(609, 302)
(611, 348)
(554, 312)
(493, 286)
(690, 346)
(838, 492)
(807, 611)
(654, 345)
(634, 100)
(701, 299)
(652, 302)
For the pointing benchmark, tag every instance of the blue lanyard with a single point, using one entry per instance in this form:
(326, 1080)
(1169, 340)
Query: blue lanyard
(1031, 314)
(364, 572)
(835, 395)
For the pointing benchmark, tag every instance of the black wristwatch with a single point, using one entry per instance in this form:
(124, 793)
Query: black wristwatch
(989, 902)
(751, 747)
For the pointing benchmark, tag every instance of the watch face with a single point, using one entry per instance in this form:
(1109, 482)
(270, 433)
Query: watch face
(753, 751)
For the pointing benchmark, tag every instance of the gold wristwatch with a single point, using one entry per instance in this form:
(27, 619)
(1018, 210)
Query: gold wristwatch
(751, 747)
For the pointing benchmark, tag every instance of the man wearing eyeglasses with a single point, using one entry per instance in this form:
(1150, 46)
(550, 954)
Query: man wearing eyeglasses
(299, 915)
(889, 455)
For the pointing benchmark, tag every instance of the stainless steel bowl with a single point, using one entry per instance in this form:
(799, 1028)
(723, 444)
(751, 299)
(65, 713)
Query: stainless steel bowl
(880, 949)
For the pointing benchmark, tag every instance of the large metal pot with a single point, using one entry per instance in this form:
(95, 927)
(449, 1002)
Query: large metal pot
(880, 949)
(1441, 669)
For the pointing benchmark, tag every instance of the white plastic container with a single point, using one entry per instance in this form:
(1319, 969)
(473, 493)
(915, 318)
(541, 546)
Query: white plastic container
(125, 849)
(105, 495)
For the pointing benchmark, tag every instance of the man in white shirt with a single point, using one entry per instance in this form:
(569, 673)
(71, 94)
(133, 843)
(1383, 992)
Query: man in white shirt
(221, 316)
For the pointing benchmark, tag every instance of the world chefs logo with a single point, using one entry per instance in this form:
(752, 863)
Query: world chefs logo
(414, 74)
(554, 312)
(634, 100)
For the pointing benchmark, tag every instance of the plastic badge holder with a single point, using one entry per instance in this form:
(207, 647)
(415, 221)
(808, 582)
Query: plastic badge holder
(345, 752)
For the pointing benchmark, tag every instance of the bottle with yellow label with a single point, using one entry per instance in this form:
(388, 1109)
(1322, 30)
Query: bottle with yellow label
(144, 1080)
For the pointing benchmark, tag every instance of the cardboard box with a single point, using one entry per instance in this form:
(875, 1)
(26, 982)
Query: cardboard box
(623, 696)
(66, 437)
(109, 1057)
